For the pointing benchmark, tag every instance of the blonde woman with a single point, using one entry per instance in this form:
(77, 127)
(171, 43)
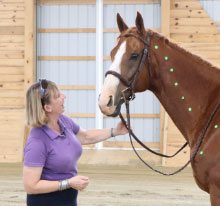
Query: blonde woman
(54, 147)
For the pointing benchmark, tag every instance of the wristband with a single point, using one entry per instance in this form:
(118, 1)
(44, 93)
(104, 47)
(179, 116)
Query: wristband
(64, 184)
(112, 134)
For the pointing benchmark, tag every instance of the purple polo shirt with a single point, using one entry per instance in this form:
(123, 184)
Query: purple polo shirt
(56, 153)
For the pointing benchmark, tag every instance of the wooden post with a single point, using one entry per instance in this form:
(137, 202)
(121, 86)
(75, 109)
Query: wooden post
(164, 145)
(165, 17)
(165, 30)
(30, 50)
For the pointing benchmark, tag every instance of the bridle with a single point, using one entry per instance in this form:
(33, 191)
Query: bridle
(130, 84)
(130, 87)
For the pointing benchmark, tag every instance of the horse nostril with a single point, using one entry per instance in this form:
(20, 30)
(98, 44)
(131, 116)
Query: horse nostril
(110, 102)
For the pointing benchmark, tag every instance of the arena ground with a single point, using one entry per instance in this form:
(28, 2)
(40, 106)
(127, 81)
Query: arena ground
(116, 186)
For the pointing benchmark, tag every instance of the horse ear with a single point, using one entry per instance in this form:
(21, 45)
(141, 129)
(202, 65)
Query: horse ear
(140, 23)
(121, 24)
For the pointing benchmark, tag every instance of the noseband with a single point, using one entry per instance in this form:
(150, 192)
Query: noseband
(130, 84)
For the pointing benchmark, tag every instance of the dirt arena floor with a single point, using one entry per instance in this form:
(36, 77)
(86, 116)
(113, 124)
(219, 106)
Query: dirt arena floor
(116, 186)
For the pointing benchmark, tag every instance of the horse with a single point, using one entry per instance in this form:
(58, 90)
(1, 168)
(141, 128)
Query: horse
(186, 85)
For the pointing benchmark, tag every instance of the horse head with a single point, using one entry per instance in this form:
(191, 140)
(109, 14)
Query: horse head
(129, 72)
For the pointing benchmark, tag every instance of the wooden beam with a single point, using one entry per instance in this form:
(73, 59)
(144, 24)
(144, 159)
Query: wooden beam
(12, 86)
(162, 121)
(217, 23)
(77, 87)
(11, 93)
(11, 22)
(186, 5)
(30, 43)
(11, 39)
(184, 13)
(30, 52)
(120, 144)
(70, 58)
(191, 22)
(12, 102)
(185, 0)
(11, 78)
(12, 1)
(196, 38)
(11, 54)
(150, 116)
(11, 70)
(92, 115)
(15, 46)
(12, 62)
(6, 6)
(11, 30)
(82, 30)
(91, 2)
(12, 14)
(66, 58)
(131, 2)
(164, 142)
(165, 18)
(66, 2)
(194, 30)
(71, 30)
(202, 46)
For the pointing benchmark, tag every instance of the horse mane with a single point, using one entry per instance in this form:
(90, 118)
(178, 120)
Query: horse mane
(173, 45)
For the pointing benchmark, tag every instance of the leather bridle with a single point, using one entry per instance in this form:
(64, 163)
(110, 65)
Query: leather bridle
(130, 84)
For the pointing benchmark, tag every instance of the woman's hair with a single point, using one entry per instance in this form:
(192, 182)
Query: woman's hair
(36, 97)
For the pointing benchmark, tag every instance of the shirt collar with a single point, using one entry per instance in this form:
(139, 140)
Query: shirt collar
(62, 126)
(53, 134)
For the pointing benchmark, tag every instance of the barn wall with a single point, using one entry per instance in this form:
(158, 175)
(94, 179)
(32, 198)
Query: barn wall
(12, 21)
(194, 24)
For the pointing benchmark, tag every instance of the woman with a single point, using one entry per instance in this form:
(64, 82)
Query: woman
(54, 147)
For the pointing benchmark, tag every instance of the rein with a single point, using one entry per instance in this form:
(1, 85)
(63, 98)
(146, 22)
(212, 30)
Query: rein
(155, 170)
(130, 87)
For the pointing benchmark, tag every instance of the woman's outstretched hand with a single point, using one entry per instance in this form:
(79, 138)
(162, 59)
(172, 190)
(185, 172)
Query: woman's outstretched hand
(120, 129)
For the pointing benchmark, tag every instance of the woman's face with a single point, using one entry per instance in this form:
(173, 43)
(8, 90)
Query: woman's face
(57, 102)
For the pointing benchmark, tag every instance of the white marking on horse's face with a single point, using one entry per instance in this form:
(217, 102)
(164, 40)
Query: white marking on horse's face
(111, 83)
(115, 66)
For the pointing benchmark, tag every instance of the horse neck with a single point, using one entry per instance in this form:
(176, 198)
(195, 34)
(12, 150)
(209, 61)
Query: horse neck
(186, 85)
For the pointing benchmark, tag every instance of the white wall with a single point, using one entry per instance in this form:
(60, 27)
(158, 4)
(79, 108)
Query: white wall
(84, 72)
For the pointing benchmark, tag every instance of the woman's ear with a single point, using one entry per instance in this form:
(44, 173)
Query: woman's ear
(47, 108)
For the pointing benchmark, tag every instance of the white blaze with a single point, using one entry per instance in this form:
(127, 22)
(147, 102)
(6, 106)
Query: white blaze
(112, 81)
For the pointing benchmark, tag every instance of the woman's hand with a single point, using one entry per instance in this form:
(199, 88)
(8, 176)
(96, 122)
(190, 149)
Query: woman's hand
(79, 182)
(120, 129)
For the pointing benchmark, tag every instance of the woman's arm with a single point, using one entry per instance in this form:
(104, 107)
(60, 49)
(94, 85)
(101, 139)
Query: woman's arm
(33, 184)
(97, 135)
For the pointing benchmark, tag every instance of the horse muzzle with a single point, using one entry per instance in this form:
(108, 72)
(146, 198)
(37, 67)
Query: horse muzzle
(109, 107)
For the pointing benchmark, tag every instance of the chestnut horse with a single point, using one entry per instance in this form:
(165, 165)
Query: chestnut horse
(187, 86)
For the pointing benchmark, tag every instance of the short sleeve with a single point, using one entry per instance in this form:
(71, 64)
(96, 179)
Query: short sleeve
(73, 126)
(35, 152)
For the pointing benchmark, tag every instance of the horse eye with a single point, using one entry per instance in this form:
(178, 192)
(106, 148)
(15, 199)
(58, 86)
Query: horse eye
(134, 56)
